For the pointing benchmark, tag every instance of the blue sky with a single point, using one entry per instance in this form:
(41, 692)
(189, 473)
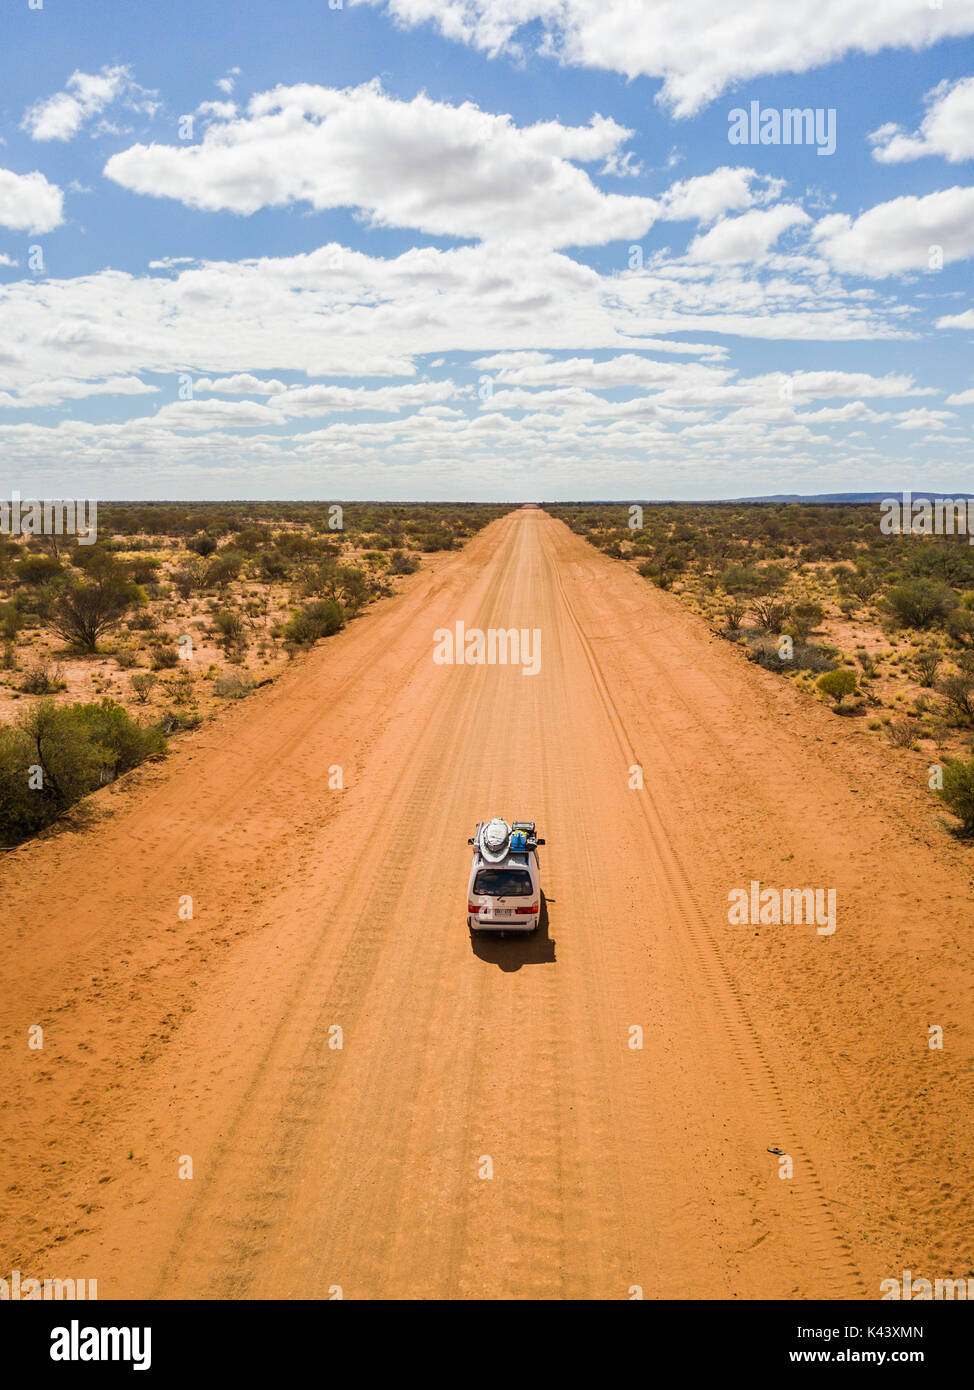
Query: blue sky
(483, 249)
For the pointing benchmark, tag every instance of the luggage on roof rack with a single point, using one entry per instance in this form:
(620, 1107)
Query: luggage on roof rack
(495, 839)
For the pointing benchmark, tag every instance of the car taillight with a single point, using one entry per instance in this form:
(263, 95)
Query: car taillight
(473, 907)
(524, 911)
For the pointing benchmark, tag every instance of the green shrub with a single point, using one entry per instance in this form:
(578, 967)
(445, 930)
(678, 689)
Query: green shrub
(37, 569)
(165, 657)
(837, 684)
(771, 613)
(230, 625)
(805, 617)
(920, 603)
(738, 579)
(957, 792)
(957, 688)
(57, 755)
(10, 621)
(313, 621)
(202, 544)
(42, 679)
(926, 662)
(431, 541)
(223, 570)
(232, 686)
(960, 626)
(400, 563)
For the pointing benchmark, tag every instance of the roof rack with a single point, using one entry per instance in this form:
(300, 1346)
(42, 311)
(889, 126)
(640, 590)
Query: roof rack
(518, 837)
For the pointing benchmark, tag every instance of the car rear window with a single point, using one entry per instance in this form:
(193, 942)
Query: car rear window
(503, 883)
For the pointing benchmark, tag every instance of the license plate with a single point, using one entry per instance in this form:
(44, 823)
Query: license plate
(503, 912)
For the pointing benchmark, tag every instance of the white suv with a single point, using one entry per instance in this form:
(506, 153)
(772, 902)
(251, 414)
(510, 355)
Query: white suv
(504, 890)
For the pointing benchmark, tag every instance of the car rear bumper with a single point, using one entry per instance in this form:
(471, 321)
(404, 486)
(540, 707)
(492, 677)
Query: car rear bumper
(497, 924)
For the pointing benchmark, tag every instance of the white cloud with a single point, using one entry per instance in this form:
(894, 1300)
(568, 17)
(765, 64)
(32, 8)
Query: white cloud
(964, 320)
(240, 384)
(962, 397)
(217, 110)
(709, 196)
(7, 260)
(748, 237)
(323, 400)
(61, 116)
(947, 128)
(899, 236)
(924, 419)
(238, 327)
(226, 83)
(445, 170)
(697, 49)
(28, 203)
(45, 393)
(214, 415)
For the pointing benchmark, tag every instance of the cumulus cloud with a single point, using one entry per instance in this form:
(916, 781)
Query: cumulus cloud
(348, 314)
(323, 400)
(924, 419)
(698, 50)
(901, 235)
(748, 237)
(240, 384)
(28, 203)
(709, 196)
(946, 130)
(44, 393)
(212, 415)
(86, 94)
(623, 370)
(445, 170)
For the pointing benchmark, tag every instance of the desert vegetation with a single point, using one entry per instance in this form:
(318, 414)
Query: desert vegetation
(108, 650)
(878, 627)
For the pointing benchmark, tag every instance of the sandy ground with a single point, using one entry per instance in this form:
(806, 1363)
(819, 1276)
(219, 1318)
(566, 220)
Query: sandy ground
(614, 1167)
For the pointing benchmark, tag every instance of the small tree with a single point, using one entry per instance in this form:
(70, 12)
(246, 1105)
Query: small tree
(83, 613)
(142, 683)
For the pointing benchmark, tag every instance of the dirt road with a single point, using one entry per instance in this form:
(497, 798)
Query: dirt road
(486, 1123)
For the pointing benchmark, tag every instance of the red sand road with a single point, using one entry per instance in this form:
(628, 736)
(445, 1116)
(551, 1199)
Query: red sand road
(359, 1167)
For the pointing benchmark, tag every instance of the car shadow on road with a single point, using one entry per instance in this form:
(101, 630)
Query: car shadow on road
(511, 952)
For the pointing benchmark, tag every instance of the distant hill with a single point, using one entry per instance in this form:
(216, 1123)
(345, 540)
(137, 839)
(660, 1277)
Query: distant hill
(845, 497)
(822, 499)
